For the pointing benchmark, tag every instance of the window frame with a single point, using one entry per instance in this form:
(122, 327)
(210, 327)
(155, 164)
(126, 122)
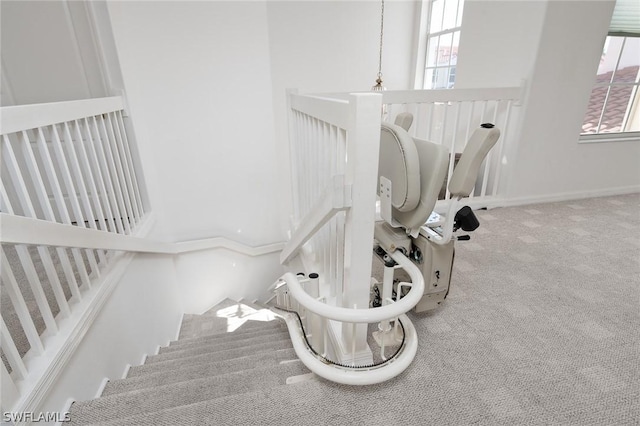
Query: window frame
(622, 136)
(422, 44)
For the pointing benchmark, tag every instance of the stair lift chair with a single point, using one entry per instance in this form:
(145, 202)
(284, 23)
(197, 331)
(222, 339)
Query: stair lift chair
(411, 174)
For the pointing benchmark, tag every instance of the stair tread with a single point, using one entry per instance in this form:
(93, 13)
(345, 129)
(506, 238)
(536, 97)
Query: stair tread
(311, 402)
(234, 334)
(213, 348)
(238, 341)
(179, 363)
(176, 394)
(166, 376)
(220, 321)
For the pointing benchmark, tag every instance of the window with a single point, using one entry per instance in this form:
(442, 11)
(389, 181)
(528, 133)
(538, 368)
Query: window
(444, 21)
(613, 106)
(614, 111)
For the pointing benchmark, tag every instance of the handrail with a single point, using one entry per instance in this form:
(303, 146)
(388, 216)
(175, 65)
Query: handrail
(439, 95)
(367, 315)
(24, 230)
(23, 117)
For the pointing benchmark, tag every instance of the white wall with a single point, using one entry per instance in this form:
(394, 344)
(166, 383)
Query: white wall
(556, 47)
(333, 46)
(199, 88)
(48, 53)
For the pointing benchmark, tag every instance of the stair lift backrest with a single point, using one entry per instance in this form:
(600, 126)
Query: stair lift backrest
(465, 174)
(433, 170)
(399, 163)
(417, 169)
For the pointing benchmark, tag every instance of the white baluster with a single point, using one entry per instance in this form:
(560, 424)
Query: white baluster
(105, 146)
(10, 351)
(503, 137)
(79, 184)
(123, 169)
(67, 180)
(45, 204)
(130, 163)
(27, 206)
(53, 180)
(13, 290)
(110, 193)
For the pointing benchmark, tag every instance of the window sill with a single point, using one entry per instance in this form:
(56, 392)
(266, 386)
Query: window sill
(610, 137)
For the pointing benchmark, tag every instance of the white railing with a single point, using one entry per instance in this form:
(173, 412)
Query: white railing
(69, 165)
(449, 117)
(334, 156)
(332, 220)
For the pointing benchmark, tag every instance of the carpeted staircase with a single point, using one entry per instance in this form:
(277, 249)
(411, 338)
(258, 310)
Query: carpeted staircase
(219, 358)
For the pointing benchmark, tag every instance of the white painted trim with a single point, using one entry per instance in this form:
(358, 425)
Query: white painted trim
(66, 408)
(610, 137)
(125, 373)
(438, 95)
(24, 117)
(103, 385)
(568, 196)
(330, 110)
(228, 244)
(24, 230)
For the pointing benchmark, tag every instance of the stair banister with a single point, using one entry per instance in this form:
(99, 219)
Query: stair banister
(361, 316)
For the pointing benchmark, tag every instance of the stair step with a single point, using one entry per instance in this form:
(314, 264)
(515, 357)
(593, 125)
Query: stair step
(239, 341)
(266, 328)
(176, 364)
(245, 346)
(197, 370)
(148, 401)
(208, 324)
(312, 402)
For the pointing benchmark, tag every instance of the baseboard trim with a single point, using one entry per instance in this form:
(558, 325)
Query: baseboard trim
(568, 196)
(103, 385)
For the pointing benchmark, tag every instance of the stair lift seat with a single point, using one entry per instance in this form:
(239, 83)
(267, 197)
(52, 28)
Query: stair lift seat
(405, 228)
